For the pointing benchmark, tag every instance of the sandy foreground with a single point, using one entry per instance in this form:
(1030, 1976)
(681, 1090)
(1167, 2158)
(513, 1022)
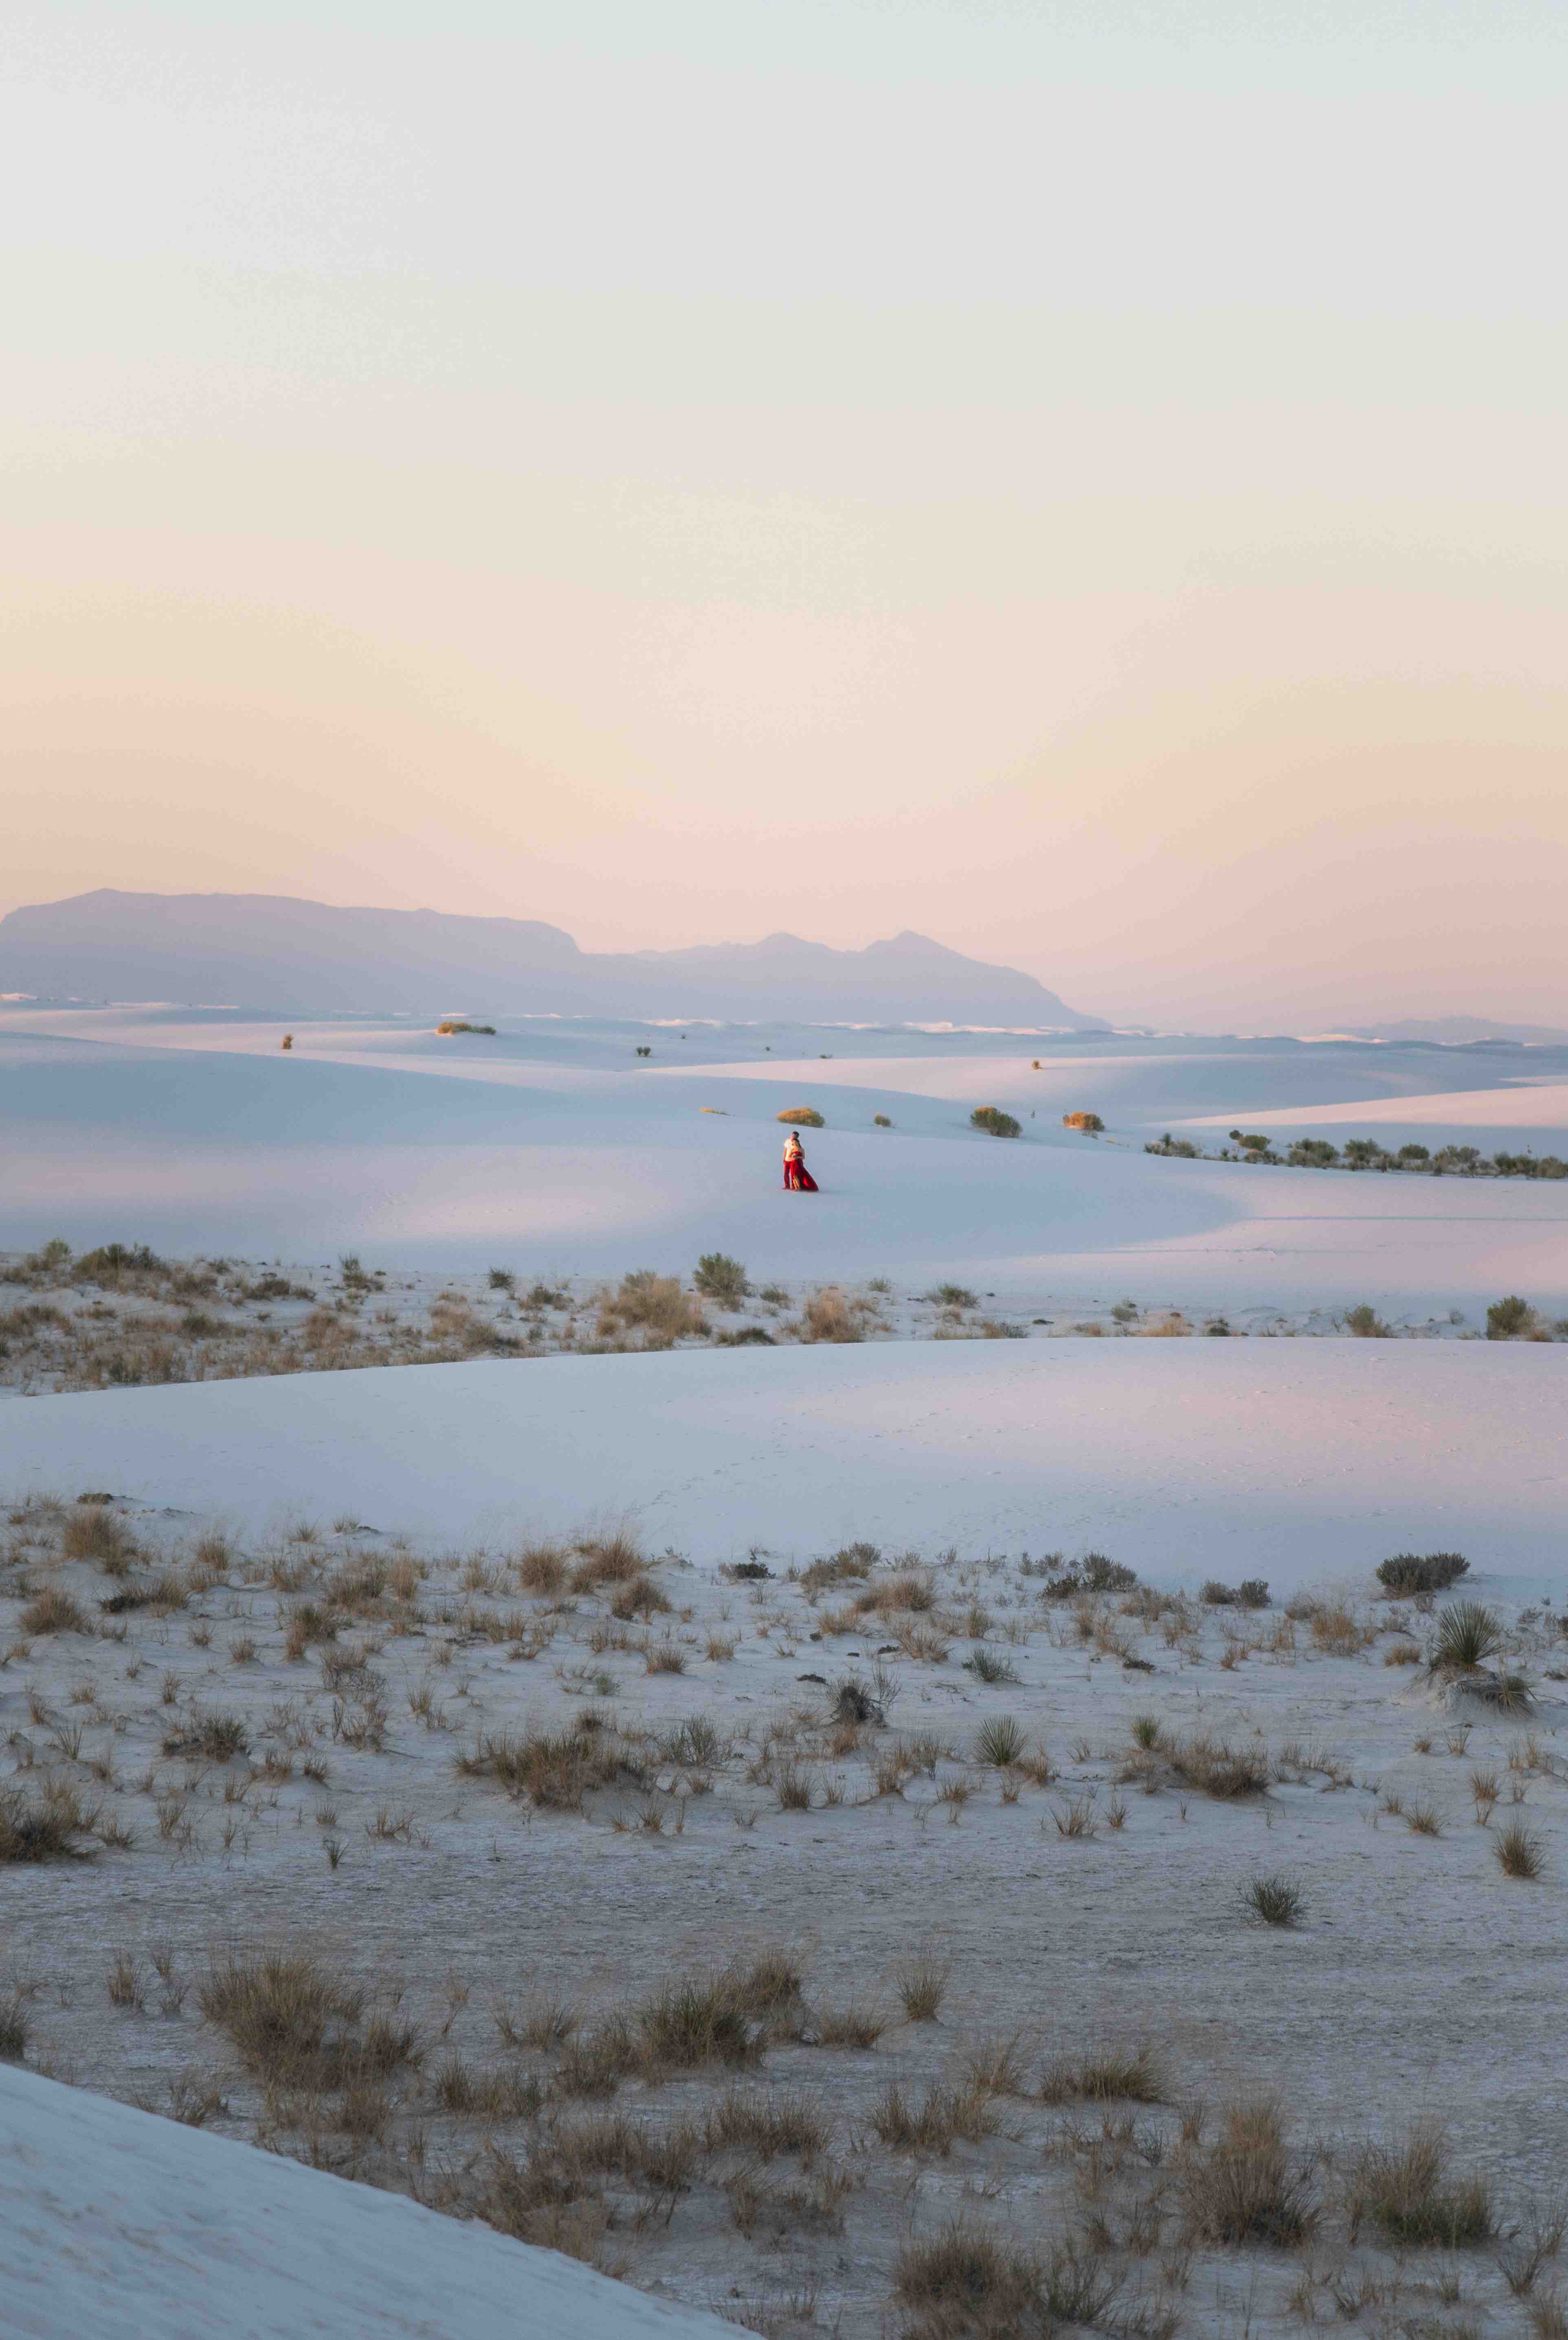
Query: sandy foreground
(744, 1934)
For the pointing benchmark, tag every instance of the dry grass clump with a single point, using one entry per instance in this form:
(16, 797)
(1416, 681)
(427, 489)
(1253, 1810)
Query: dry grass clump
(922, 1985)
(801, 1116)
(554, 1769)
(1130, 2075)
(654, 1306)
(852, 1560)
(45, 1829)
(943, 2116)
(1406, 2192)
(831, 1315)
(294, 2026)
(965, 2281)
(607, 1560)
(93, 1532)
(768, 2126)
(540, 1568)
(848, 2027)
(907, 1592)
(1246, 2189)
(1275, 1900)
(54, 1611)
(1519, 1852)
(1218, 1769)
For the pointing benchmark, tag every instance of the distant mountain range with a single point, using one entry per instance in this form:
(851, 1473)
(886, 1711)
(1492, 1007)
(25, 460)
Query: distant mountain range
(274, 952)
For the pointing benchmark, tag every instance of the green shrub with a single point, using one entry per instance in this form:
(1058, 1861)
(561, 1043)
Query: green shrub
(1365, 1325)
(880, 1120)
(1086, 1121)
(1313, 1153)
(995, 1121)
(1507, 1319)
(1467, 1635)
(1408, 1572)
(721, 1279)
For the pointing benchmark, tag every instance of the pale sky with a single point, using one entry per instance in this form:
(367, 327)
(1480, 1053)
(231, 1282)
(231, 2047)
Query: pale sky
(1087, 482)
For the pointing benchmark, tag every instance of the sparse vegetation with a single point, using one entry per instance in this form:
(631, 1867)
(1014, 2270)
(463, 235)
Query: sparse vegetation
(1407, 1573)
(802, 1117)
(1276, 1900)
(995, 1121)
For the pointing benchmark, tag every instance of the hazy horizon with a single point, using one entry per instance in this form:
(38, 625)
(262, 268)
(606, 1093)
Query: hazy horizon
(1075, 482)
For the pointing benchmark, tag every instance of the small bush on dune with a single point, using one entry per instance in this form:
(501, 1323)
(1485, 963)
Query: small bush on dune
(45, 1829)
(1244, 2189)
(802, 1117)
(1088, 1121)
(1252, 1592)
(54, 1612)
(1519, 1852)
(541, 1569)
(831, 1315)
(1130, 2075)
(999, 1742)
(721, 1279)
(92, 1532)
(1507, 1319)
(1276, 1900)
(1467, 1635)
(606, 1559)
(1405, 2191)
(652, 1304)
(1365, 1323)
(995, 1121)
(1408, 1572)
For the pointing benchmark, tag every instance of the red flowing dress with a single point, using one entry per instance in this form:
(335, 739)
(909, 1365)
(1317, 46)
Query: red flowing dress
(797, 1179)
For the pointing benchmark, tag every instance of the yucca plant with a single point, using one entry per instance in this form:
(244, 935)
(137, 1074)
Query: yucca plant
(1467, 1635)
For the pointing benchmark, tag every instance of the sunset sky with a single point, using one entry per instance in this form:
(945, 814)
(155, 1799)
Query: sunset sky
(1087, 482)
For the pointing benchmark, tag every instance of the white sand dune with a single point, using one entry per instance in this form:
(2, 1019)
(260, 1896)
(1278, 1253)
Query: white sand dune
(119, 2224)
(552, 1149)
(1294, 1459)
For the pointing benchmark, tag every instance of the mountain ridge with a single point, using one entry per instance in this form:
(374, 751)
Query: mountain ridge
(286, 953)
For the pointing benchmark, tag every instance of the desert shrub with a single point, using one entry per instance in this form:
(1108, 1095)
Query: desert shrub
(802, 1117)
(14, 2030)
(851, 1560)
(640, 1596)
(606, 1559)
(1408, 1572)
(1183, 1148)
(922, 1985)
(1112, 2075)
(1406, 2192)
(1276, 1900)
(1467, 1635)
(999, 1742)
(1252, 1592)
(1218, 1769)
(554, 1769)
(1092, 1574)
(1507, 1318)
(93, 1532)
(693, 2022)
(54, 1612)
(988, 1665)
(1365, 1325)
(1519, 1852)
(720, 1279)
(1089, 1121)
(967, 2280)
(502, 1279)
(111, 1262)
(1246, 2189)
(43, 1828)
(880, 1120)
(294, 2024)
(1313, 1153)
(541, 1569)
(830, 1315)
(995, 1121)
(218, 1738)
(654, 1304)
(449, 1023)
